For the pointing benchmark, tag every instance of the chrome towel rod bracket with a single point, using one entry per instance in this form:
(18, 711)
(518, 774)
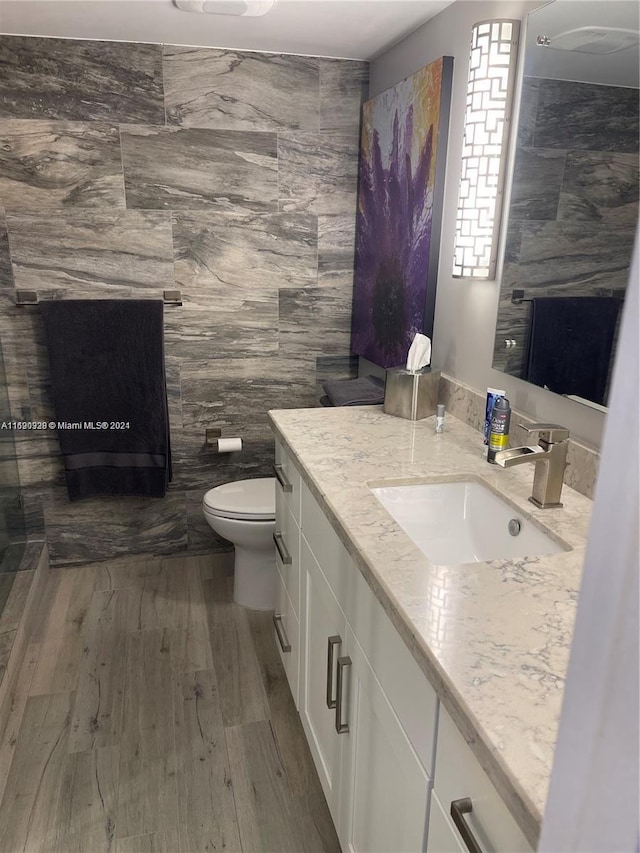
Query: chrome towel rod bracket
(30, 297)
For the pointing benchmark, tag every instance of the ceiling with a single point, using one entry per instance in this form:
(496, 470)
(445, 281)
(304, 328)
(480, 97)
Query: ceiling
(614, 69)
(351, 29)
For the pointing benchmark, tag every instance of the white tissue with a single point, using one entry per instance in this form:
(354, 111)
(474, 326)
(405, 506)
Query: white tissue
(229, 445)
(419, 354)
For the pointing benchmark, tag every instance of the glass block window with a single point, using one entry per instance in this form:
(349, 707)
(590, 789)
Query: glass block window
(494, 49)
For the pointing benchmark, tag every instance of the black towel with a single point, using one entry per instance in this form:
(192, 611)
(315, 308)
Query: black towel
(570, 343)
(366, 391)
(107, 368)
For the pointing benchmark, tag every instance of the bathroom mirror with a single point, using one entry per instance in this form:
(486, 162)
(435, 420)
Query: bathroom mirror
(574, 199)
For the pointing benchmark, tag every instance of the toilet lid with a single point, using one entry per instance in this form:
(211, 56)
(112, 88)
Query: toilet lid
(250, 499)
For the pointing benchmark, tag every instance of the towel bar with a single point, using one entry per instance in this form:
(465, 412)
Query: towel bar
(517, 297)
(30, 297)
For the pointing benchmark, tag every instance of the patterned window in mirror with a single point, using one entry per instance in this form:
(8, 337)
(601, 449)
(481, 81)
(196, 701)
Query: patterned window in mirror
(492, 69)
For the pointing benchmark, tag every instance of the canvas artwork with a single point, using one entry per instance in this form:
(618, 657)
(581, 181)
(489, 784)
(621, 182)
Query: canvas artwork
(401, 181)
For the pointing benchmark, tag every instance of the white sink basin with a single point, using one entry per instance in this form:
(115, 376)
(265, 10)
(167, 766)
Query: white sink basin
(463, 522)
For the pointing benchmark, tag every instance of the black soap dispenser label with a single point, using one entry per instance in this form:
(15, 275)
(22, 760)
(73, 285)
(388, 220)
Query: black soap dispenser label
(499, 433)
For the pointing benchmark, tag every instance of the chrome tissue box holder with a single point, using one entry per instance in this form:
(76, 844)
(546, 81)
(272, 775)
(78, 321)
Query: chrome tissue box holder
(411, 394)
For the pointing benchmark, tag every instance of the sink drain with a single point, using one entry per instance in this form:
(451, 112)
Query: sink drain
(515, 526)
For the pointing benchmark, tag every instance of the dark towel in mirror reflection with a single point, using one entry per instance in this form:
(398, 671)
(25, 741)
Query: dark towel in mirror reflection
(570, 342)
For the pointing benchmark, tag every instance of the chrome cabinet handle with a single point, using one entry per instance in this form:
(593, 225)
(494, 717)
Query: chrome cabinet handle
(282, 479)
(459, 808)
(341, 728)
(333, 641)
(281, 548)
(285, 645)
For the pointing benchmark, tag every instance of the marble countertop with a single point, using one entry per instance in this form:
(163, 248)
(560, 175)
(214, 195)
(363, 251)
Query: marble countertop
(493, 638)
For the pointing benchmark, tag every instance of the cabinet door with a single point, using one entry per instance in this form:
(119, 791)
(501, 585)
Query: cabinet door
(323, 642)
(385, 789)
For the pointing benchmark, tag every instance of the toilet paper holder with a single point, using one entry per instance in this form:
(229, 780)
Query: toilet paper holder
(212, 438)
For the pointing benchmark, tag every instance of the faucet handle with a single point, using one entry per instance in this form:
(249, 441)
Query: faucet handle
(549, 433)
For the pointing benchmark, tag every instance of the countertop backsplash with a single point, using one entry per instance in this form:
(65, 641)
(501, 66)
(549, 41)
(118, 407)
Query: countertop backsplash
(468, 405)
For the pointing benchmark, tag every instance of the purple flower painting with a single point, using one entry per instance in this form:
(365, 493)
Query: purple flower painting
(398, 219)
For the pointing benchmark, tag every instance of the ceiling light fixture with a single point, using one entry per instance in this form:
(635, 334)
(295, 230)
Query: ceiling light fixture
(237, 8)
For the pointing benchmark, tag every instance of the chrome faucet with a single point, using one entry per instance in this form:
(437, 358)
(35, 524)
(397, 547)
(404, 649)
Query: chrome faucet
(549, 457)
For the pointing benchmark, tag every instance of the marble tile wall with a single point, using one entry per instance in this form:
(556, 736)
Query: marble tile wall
(126, 169)
(574, 201)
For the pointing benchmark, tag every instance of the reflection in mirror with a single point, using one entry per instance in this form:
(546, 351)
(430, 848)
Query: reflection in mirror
(574, 199)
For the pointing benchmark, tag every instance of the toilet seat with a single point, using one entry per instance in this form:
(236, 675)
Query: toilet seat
(248, 500)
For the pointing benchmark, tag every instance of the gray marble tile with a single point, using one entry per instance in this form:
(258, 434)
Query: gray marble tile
(344, 86)
(197, 466)
(225, 330)
(234, 396)
(22, 335)
(336, 248)
(10, 563)
(586, 116)
(33, 515)
(39, 460)
(228, 260)
(513, 241)
(202, 539)
(6, 273)
(87, 252)
(80, 80)
(59, 164)
(600, 186)
(237, 90)
(315, 320)
(32, 556)
(571, 258)
(12, 512)
(174, 392)
(100, 528)
(528, 110)
(318, 171)
(194, 169)
(537, 178)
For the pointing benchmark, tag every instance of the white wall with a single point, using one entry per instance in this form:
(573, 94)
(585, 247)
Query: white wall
(594, 790)
(466, 310)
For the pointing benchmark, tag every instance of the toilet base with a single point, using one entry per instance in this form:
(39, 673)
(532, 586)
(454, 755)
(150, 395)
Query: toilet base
(255, 579)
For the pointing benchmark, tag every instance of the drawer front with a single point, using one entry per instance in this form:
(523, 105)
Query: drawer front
(459, 775)
(288, 548)
(287, 634)
(288, 481)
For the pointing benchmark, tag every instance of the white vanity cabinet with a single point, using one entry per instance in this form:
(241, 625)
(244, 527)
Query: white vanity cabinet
(368, 711)
(481, 813)
(287, 544)
(375, 776)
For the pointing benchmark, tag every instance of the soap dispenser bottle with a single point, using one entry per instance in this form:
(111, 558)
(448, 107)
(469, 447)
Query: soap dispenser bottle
(499, 433)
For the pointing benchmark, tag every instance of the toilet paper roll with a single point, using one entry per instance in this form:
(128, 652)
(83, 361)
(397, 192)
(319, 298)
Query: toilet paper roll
(228, 445)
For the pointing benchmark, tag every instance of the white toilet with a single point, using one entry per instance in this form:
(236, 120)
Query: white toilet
(244, 512)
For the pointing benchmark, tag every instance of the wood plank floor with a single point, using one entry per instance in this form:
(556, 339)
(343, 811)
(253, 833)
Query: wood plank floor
(152, 715)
